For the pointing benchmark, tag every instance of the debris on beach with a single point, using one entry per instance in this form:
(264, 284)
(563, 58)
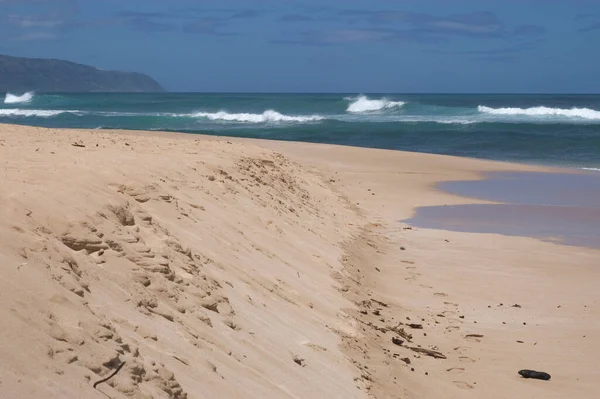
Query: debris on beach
(428, 352)
(400, 331)
(299, 361)
(538, 375)
(474, 337)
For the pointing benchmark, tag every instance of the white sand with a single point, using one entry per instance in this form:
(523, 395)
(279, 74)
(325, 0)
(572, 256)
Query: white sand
(222, 268)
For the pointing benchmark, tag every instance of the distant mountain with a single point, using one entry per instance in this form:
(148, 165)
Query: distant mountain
(49, 75)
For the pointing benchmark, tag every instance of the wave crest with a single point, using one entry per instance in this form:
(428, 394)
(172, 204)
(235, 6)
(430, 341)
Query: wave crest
(14, 99)
(362, 104)
(267, 116)
(584, 113)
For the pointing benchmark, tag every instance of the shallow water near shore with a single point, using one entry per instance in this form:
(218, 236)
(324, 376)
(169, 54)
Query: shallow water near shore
(559, 207)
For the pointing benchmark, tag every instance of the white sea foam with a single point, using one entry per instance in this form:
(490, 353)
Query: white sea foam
(583, 113)
(593, 169)
(455, 121)
(33, 112)
(267, 116)
(432, 119)
(14, 99)
(365, 104)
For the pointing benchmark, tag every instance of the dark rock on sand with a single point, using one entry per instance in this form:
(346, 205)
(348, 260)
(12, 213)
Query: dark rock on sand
(538, 375)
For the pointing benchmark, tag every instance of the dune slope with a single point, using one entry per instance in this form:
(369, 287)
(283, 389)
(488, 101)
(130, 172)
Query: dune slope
(204, 265)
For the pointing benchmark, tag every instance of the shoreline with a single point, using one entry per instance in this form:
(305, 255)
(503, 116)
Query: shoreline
(188, 135)
(237, 267)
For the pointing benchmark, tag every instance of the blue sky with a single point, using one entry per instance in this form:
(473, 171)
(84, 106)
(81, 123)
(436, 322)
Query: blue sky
(321, 46)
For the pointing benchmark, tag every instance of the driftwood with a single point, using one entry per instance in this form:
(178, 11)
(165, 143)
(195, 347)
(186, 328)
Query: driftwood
(110, 376)
(428, 352)
(474, 336)
(385, 305)
(382, 329)
(400, 331)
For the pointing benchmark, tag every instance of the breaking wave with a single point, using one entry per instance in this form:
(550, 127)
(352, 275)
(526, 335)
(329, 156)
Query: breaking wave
(365, 104)
(583, 113)
(33, 112)
(14, 99)
(360, 110)
(267, 116)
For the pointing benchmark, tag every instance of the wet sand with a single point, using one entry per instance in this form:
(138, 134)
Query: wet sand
(571, 188)
(560, 207)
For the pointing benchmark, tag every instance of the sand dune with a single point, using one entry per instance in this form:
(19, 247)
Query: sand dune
(222, 268)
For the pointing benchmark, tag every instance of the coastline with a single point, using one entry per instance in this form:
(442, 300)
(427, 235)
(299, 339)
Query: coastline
(298, 247)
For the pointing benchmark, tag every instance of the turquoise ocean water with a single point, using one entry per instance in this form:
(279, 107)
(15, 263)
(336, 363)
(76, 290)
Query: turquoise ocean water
(561, 130)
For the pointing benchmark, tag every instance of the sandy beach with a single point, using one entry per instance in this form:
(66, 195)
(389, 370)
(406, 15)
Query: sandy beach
(215, 267)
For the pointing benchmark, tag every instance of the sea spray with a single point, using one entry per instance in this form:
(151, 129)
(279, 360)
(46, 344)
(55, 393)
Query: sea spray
(362, 104)
(14, 99)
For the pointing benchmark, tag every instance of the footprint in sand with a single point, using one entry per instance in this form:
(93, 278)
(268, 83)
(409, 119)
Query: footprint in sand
(462, 385)
(440, 294)
(451, 304)
(466, 359)
(316, 347)
(456, 370)
(474, 337)
(317, 258)
(452, 328)
(461, 349)
(410, 267)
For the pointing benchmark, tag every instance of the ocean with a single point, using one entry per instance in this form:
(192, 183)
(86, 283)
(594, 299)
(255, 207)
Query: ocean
(557, 130)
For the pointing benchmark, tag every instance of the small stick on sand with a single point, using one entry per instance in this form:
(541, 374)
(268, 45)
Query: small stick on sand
(110, 376)
(428, 352)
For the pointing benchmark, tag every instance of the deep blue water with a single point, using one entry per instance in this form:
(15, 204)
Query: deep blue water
(562, 130)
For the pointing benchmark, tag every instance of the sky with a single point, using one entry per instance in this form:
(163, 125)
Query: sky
(376, 46)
